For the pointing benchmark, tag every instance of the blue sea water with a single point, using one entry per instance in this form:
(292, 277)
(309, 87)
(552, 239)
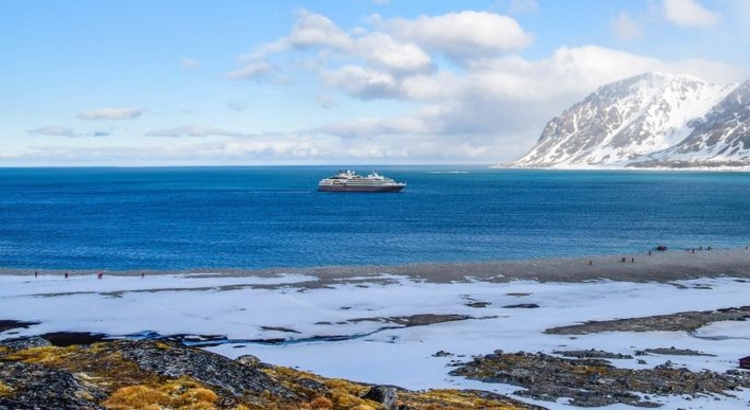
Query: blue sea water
(260, 217)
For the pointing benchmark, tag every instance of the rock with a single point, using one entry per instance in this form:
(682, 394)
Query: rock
(385, 395)
(25, 343)
(672, 351)
(64, 339)
(426, 319)
(249, 360)
(173, 360)
(442, 353)
(157, 374)
(15, 324)
(682, 321)
(522, 306)
(39, 387)
(592, 354)
(594, 382)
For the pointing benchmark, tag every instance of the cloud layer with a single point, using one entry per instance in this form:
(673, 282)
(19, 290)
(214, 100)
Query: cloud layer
(689, 13)
(479, 98)
(463, 86)
(112, 114)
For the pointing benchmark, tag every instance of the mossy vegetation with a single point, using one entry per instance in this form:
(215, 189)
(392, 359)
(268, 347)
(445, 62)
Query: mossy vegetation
(180, 394)
(124, 384)
(5, 390)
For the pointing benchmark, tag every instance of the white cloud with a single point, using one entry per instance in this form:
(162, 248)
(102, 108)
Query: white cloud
(372, 127)
(491, 109)
(194, 130)
(54, 131)
(499, 107)
(361, 82)
(625, 28)
(382, 50)
(688, 13)
(397, 46)
(189, 63)
(112, 114)
(462, 35)
(251, 71)
(316, 30)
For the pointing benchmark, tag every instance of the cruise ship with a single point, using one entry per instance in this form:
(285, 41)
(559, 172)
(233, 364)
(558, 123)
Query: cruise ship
(349, 181)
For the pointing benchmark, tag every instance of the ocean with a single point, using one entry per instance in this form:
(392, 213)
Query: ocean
(179, 218)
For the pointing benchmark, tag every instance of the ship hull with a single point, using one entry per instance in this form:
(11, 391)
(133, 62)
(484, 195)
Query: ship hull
(372, 189)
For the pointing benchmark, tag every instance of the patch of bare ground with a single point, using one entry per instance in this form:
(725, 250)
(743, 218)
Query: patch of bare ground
(682, 321)
(648, 266)
(595, 382)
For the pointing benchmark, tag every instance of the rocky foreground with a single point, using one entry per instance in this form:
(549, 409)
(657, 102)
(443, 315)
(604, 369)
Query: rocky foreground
(127, 374)
(587, 378)
(595, 382)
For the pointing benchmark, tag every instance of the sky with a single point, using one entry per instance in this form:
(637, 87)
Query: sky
(242, 82)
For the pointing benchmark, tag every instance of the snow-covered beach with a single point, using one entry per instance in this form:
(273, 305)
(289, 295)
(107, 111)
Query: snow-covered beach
(385, 325)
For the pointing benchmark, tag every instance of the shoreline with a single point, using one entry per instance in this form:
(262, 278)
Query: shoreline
(659, 266)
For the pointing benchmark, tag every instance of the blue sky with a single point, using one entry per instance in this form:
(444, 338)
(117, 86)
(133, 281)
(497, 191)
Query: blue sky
(320, 82)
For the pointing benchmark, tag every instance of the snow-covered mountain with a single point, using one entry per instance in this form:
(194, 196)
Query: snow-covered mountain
(651, 120)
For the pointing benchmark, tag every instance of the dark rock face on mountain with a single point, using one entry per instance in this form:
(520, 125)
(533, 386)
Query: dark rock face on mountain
(127, 374)
(647, 121)
(722, 137)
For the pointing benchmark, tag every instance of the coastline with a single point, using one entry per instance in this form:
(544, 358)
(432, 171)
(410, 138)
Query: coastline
(660, 267)
(411, 326)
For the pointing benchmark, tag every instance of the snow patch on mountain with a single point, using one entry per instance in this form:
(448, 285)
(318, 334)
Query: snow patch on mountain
(651, 120)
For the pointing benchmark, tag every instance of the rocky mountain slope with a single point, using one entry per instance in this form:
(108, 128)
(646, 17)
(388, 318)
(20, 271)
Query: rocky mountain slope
(649, 121)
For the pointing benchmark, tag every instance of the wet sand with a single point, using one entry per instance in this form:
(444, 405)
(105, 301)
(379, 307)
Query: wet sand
(664, 266)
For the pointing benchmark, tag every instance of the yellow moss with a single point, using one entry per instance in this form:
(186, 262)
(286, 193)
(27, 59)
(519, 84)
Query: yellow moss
(177, 394)
(362, 407)
(48, 355)
(136, 397)
(5, 390)
(454, 399)
(197, 396)
(336, 383)
(162, 346)
(343, 399)
(321, 403)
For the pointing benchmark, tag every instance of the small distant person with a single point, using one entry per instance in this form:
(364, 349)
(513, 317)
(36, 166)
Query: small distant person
(591, 262)
(36, 274)
(66, 275)
(143, 274)
(649, 253)
(632, 259)
(100, 275)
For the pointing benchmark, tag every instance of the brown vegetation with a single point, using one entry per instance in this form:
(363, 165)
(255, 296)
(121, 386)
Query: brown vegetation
(148, 375)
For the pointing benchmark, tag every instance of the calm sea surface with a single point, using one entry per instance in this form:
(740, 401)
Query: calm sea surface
(181, 218)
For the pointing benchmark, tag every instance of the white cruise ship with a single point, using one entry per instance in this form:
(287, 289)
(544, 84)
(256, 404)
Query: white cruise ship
(349, 181)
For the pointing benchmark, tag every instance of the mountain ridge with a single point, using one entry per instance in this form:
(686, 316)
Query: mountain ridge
(652, 120)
